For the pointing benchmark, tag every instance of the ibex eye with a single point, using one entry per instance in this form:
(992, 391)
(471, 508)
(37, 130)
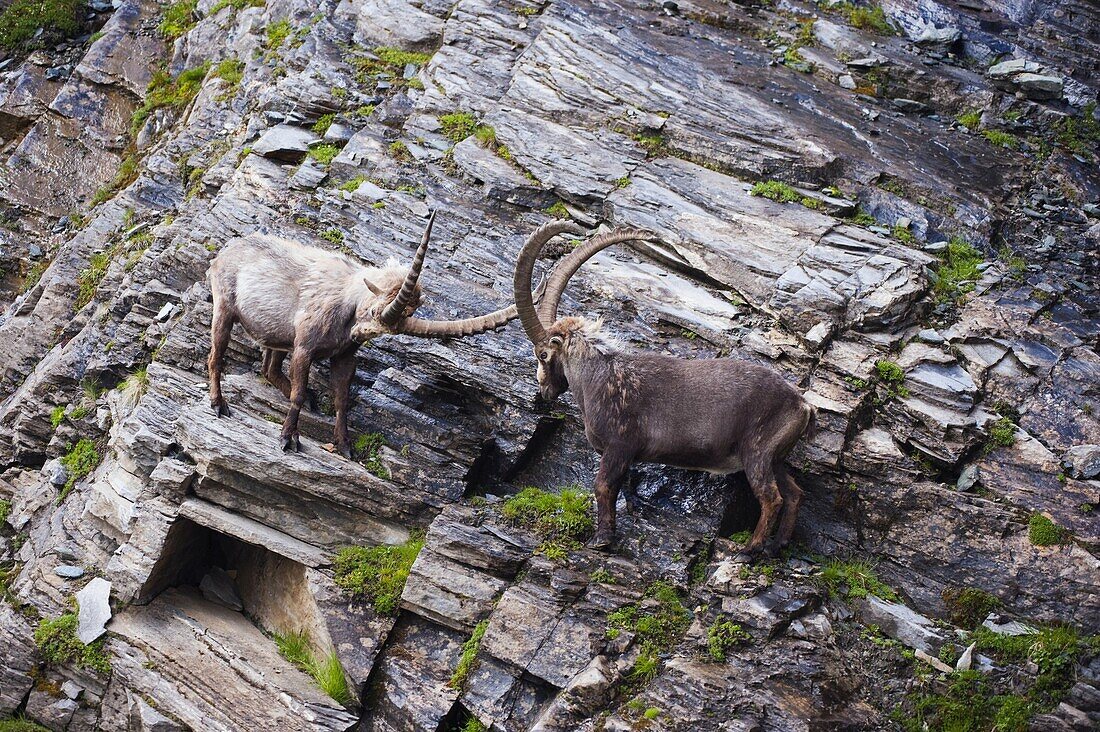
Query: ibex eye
(545, 355)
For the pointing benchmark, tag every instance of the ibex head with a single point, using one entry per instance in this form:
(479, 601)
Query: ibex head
(394, 298)
(556, 341)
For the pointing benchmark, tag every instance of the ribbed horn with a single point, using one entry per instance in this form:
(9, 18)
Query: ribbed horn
(396, 309)
(456, 328)
(525, 267)
(568, 265)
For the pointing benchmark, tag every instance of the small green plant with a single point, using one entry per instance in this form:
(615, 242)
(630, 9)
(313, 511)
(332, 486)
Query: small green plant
(5, 511)
(968, 606)
(333, 236)
(623, 182)
(970, 120)
(1001, 138)
(563, 518)
(179, 17)
(320, 127)
(658, 624)
(1041, 531)
(891, 376)
(600, 575)
(276, 34)
(862, 218)
(295, 648)
(457, 126)
(1055, 649)
(870, 18)
(468, 659)
(854, 578)
(329, 676)
(21, 20)
(1080, 135)
(353, 185)
(236, 5)
(126, 174)
(473, 724)
(324, 153)
(645, 666)
(903, 234)
(399, 151)
(558, 211)
(378, 573)
(776, 191)
(56, 640)
(1002, 433)
(89, 278)
(741, 537)
(327, 673)
(164, 91)
(653, 144)
(966, 705)
(367, 449)
(79, 461)
(723, 636)
(57, 416)
(33, 274)
(231, 70)
(958, 271)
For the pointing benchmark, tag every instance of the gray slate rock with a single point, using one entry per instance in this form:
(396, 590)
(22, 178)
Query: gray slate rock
(1082, 461)
(95, 609)
(68, 571)
(217, 586)
(285, 142)
(902, 624)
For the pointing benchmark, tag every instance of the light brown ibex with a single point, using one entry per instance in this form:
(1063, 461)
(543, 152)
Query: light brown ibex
(313, 304)
(719, 415)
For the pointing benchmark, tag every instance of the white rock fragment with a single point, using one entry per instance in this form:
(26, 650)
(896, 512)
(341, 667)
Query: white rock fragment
(95, 610)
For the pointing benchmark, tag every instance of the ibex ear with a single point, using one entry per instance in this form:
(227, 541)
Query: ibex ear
(372, 287)
(556, 341)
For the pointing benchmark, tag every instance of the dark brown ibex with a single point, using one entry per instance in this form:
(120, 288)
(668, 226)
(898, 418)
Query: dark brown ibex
(315, 304)
(718, 415)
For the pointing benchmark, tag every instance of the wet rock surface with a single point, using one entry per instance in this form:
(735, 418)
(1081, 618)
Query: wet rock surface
(928, 276)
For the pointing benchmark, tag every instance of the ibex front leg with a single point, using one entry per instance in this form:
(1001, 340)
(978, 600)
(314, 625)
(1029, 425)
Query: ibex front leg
(613, 468)
(300, 361)
(343, 370)
(221, 327)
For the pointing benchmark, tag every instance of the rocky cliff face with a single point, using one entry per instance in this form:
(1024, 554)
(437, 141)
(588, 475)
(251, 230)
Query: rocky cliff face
(897, 209)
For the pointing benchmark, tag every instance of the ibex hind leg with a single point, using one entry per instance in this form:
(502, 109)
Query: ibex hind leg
(762, 479)
(221, 327)
(792, 499)
(273, 372)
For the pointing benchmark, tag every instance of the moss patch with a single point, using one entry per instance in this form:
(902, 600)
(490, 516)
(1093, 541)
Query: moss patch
(562, 520)
(378, 573)
(457, 126)
(179, 17)
(324, 154)
(164, 91)
(79, 461)
(854, 578)
(468, 659)
(968, 606)
(20, 21)
(367, 449)
(1041, 531)
(56, 640)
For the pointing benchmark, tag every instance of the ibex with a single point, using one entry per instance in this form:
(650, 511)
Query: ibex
(718, 415)
(314, 304)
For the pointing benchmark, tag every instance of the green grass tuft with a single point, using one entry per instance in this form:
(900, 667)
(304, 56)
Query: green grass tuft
(328, 674)
(776, 191)
(20, 21)
(231, 70)
(320, 127)
(89, 278)
(164, 91)
(1041, 531)
(295, 648)
(19, 724)
(56, 640)
(1001, 139)
(179, 17)
(970, 120)
(367, 449)
(378, 573)
(276, 34)
(869, 18)
(968, 606)
(563, 518)
(958, 271)
(57, 416)
(457, 126)
(324, 153)
(854, 578)
(1002, 433)
(5, 510)
(79, 461)
(468, 660)
(473, 724)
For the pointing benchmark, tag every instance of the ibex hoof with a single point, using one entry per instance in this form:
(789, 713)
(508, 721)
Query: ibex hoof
(291, 442)
(602, 541)
(221, 409)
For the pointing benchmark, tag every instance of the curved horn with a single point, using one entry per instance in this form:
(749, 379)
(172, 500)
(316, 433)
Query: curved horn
(525, 266)
(393, 312)
(456, 328)
(567, 266)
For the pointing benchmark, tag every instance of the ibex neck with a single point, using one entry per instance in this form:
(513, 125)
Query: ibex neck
(587, 373)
